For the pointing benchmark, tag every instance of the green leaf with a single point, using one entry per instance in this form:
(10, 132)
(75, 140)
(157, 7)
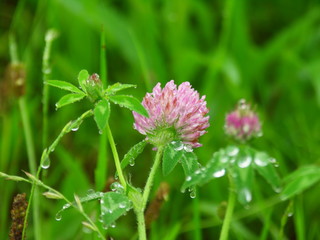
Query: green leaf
(113, 206)
(69, 98)
(171, 156)
(112, 89)
(64, 85)
(216, 168)
(262, 163)
(102, 113)
(133, 153)
(129, 102)
(83, 76)
(243, 176)
(300, 180)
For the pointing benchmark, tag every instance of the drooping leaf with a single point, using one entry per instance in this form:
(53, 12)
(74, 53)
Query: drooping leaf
(129, 102)
(69, 98)
(64, 85)
(262, 163)
(83, 76)
(171, 156)
(112, 89)
(113, 206)
(133, 153)
(300, 180)
(102, 113)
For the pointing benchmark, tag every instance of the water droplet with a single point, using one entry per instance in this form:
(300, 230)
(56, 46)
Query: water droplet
(232, 151)
(46, 163)
(75, 129)
(131, 162)
(122, 205)
(90, 192)
(244, 162)
(178, 146)
(100, 131)
(258, 161)
(188, 148)
(67, 205)
(277, 189)
(193, 194)
(188, 178)
(198, 171)
(290, 214)
(52, 149)
(224, 159)
(113, 225)
(58, 216)
(219, 173)
(247, 194)
(105, 226)
(110, 210)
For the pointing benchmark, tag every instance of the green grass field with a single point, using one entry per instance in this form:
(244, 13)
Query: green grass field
(267, 52)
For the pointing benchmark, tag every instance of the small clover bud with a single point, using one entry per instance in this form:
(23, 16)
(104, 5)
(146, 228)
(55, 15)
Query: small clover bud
(175, 113)
(242, 124)
(94, 88)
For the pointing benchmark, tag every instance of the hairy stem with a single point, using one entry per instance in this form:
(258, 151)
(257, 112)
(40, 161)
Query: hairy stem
(140, 212)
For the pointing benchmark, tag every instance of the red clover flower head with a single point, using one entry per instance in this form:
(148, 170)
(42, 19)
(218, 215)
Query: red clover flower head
(243, 124)
(175, 113)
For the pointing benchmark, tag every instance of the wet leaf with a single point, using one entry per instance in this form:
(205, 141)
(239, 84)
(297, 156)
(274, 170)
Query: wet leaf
(266, 169)
(129, 102)
(64, 85)
(171, 156)
(113, 206)
(83, 76)
(133, 153)
(102, 114)
(69, 98)
(118, 87)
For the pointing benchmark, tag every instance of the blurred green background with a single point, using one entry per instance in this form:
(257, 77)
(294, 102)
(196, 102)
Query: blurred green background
(267, 52)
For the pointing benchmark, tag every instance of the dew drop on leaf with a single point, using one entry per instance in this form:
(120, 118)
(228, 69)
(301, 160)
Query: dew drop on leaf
(219, 173)
(188, 178)
(232, 151)
(244, 162)
(122, 205)
(90, 191)
(113, 225)
(260, 162)
(188, 148)
(131, 162)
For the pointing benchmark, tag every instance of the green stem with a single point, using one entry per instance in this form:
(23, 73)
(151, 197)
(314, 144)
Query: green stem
(141, 225)
(149, 183)
(196, 218)
(45, 155)
(145, 196)
(116, 158)
(34, 195)
(46, 70)
(229, 213)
